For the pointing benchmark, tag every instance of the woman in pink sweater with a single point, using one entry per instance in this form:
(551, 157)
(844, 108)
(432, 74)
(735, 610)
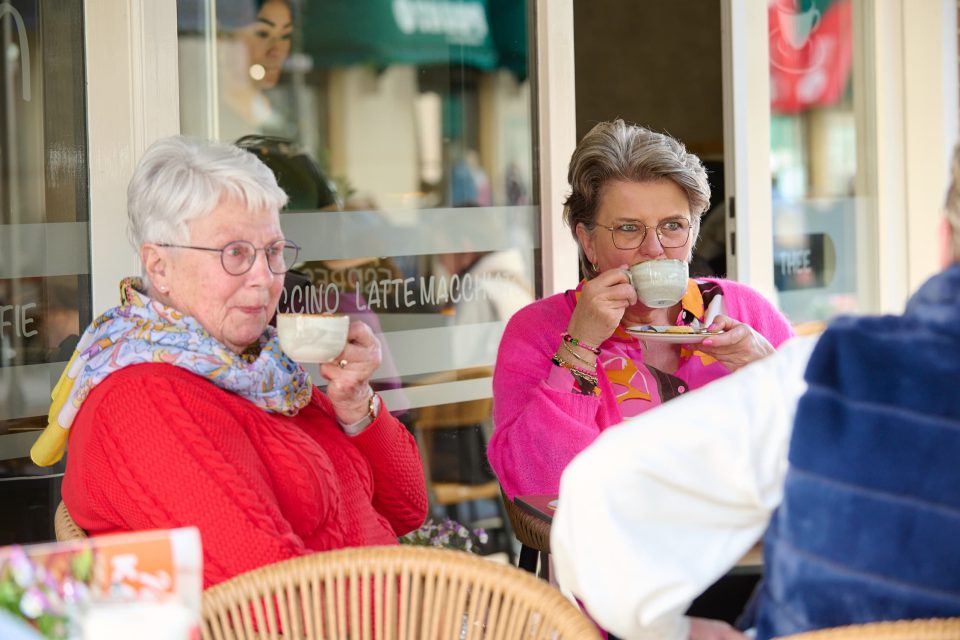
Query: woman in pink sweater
(566, 369)
(182, 408)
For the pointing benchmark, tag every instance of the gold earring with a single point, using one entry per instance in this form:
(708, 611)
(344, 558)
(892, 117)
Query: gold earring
(596, 266)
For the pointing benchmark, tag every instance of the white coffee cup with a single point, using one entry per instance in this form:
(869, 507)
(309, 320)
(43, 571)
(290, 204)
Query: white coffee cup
(659, 283)
(312, 337)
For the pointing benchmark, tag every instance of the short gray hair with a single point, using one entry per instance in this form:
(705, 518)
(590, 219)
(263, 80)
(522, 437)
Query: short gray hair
(630, 153)
(180, 179)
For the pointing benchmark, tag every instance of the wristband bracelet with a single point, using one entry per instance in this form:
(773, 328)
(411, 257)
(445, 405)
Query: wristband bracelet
(584, 382)
(373, 408)
(576, 355)
(577, 343)
(560, 362)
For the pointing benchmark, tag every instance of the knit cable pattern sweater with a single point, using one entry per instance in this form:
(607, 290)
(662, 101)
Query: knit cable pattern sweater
(155, 446)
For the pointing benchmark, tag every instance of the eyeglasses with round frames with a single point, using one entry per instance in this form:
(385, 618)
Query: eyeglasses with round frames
(671, 234)
(237, 257)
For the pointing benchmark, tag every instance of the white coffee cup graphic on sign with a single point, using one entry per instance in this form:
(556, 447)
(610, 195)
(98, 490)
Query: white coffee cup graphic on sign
(796, 24)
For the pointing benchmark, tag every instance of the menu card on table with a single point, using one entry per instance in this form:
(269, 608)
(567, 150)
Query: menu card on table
(145, 585)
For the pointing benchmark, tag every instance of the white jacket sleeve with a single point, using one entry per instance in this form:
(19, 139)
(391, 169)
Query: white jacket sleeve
(661, 506)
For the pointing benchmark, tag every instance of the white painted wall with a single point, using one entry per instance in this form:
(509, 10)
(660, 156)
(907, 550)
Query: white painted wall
(930, 125)
(557, 138)
(131, 69)
(746, 103)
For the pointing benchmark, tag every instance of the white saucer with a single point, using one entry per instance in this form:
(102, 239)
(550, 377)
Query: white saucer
(660, 334)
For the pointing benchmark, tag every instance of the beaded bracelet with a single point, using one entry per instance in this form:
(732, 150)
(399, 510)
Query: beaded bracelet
(577, 343)
(560, 362)
(576, 355)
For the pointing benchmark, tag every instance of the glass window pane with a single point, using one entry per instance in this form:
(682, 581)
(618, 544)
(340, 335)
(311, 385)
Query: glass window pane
(44, 246)
(402, 131)
(818, 212)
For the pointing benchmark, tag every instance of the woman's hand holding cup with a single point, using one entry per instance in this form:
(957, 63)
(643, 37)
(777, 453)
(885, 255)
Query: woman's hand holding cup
(348, 354)
(312, 337)
(349, 374)
(603, 301)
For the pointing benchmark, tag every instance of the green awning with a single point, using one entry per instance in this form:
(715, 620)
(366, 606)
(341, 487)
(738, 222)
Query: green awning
(508, 22)
(384, 32)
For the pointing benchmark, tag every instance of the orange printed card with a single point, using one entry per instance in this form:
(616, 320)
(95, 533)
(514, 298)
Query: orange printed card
(53, 586)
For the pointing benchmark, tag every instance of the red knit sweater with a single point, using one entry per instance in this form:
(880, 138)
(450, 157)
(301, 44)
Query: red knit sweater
(155, 446)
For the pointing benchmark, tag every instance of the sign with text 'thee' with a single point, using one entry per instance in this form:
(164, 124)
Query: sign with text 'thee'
(803, 261)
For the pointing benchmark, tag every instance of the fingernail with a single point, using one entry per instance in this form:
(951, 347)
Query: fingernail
(708, 343)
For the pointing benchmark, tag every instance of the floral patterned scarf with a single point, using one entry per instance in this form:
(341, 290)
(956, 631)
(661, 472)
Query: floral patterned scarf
(143, 330)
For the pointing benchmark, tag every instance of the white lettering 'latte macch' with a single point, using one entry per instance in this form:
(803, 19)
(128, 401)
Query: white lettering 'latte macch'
(391, 293)
(431, 292)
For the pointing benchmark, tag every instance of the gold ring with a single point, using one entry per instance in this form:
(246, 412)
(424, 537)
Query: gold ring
(342, 364)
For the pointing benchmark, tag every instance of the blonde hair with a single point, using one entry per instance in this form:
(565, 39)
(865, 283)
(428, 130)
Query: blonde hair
(951, 205)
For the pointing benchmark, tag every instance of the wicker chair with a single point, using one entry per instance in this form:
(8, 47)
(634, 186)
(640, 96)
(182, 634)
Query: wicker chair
(396, 592)
(928, 629)
(534, 537)
(64, 527)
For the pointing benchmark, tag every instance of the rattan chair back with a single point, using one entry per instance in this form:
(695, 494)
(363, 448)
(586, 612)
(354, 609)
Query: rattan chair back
(389, 593)
(927, 629)
(529, 530)
(64, 527)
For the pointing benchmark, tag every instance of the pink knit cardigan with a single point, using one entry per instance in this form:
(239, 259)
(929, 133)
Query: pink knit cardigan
(539, 429)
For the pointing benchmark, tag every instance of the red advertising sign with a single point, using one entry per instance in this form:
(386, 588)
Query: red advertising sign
(810, 54)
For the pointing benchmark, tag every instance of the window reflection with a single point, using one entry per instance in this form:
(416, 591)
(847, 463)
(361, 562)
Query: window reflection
(401, 129)
(813, 159)
(397, 106)
(377, 107)
(44, 265)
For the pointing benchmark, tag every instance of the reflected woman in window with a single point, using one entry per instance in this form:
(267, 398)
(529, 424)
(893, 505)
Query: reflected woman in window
(253, 64)
(182, 408)
(567, 368)
(268, 42)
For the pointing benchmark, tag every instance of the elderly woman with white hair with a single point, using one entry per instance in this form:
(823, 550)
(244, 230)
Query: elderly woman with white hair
(183, 410)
